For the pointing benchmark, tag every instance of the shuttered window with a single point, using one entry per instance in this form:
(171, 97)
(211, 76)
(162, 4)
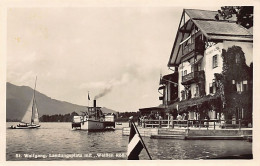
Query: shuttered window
(215, 61)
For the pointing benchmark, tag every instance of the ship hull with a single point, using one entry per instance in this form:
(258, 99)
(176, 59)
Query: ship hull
(25, 126)
(93, 125)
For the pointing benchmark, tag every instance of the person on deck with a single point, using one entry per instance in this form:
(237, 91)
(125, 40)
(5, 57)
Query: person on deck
(179, 117)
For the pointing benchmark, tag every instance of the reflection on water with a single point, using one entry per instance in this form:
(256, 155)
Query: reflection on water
(59, 139)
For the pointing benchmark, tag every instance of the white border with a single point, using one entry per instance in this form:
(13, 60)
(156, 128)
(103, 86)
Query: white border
(5, 4)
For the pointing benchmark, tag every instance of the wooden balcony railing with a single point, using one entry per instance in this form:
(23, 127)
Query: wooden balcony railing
(188, 48)
(197, 48)
(192, 77)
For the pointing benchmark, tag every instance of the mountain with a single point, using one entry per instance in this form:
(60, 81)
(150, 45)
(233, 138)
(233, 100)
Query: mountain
(107, 110)
(18, 98)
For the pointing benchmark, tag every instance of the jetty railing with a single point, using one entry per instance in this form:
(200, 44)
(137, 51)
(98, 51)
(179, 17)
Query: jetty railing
(208, 124)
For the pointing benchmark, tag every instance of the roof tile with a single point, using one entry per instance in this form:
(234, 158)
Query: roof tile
(221, 27)
(205, 14)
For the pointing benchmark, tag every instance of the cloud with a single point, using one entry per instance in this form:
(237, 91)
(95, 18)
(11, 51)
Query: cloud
(131, 73)
(115, 51)
(22, 79)
(92, 85)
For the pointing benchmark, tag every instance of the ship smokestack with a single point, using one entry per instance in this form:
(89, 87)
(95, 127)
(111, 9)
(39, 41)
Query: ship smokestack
(94, 103)
(95, 109)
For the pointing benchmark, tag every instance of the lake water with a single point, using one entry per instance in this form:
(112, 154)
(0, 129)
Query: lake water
(57, 141)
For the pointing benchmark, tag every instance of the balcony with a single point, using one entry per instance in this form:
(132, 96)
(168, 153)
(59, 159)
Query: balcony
(192, 49)
(193, 77)
(188, 48)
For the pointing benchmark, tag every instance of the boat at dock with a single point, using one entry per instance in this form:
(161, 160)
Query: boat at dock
(94, 120)
(30, 119)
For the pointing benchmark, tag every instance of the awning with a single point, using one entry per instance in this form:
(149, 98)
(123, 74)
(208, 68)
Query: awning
(170, 77)
(184, 105)
(151, 109)
(173, 106)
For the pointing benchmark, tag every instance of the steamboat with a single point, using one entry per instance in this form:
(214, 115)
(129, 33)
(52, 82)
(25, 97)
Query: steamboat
(94, 120)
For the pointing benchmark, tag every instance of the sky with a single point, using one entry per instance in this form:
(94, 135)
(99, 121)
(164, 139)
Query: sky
(114, 53)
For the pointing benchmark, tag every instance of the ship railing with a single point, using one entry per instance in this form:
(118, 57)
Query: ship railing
(200, 124)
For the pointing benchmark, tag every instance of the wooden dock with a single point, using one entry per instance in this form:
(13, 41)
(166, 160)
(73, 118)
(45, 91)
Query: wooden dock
(192, 134)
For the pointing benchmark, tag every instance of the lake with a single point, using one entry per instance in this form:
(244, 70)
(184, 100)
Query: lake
(57, 141)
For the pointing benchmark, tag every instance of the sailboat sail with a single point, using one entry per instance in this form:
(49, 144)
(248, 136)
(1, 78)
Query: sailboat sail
(28, 114)
(31, 114)
(36, 114)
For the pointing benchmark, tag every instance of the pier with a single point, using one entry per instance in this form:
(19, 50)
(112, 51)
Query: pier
(192, 130)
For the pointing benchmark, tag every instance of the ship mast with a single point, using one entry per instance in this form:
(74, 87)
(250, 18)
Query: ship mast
(33, 99)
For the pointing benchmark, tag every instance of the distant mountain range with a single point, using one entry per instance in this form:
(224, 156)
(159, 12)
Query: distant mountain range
(18, 98)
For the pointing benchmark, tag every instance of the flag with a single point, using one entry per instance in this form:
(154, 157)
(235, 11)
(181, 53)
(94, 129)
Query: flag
(135, 145)
(88, 97)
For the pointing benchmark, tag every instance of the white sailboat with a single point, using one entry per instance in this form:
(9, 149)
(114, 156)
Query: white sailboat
(30, 119)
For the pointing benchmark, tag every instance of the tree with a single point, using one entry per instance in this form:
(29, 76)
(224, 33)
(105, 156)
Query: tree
(235, 70)
(244, 14)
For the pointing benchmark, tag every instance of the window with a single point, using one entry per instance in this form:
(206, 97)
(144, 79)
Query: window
(245, 86)
(196, 94)
(215, 61)
(188, 94)
(238, 59)
(241, 86)
(185, 73)
(210, 88)
(213, 87)
(240, 113)
(183, 96)
(199, 66)
(234, 87)
(196, 67)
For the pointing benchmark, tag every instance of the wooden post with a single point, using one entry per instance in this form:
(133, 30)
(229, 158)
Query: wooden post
(168, 121)
(214, 125)
(144, 123)
(172, 123)
(239, 124)
(160, 123)
(187, 124)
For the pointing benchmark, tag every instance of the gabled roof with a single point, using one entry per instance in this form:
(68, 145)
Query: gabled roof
(211, 28)
(222, 28)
